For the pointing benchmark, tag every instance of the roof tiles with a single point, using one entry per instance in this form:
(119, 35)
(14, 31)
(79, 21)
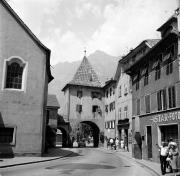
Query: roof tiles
(85, 75)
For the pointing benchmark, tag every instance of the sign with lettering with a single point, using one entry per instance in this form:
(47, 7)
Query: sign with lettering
(171, 116)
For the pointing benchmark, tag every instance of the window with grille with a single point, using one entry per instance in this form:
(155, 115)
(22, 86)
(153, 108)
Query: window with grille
(161, 100)
(172, 97)
(6, 135)
(15, 73)
(14, 76)
(147, 103)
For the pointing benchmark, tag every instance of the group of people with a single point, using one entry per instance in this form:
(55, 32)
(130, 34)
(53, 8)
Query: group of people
(168, 156)
(113, 143)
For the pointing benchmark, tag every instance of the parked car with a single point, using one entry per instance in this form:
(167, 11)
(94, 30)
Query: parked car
(82, 143)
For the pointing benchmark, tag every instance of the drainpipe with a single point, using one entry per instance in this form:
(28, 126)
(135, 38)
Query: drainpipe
(68, 116)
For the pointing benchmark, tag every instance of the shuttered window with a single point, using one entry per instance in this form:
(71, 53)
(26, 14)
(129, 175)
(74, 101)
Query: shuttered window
(161, 100)
(138, 107)
(147, 103)
(172, 97)
(158, 72)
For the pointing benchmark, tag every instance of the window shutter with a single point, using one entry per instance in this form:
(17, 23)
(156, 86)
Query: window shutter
(164, 100)
(147, 103)
(173, 96)
(159, 101)
(170, 97)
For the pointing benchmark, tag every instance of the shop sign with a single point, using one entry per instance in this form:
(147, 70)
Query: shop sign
(172, 116)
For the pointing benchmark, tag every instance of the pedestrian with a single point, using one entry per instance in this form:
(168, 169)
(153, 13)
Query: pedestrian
(170, 141)
(122, 144)
(163, 156)
(173, 154)
(117, 143)
(111, 142)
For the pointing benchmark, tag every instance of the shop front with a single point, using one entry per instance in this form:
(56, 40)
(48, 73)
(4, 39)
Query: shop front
(158, 127)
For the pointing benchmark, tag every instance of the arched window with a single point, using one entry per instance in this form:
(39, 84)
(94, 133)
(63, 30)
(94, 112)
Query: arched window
(14, 76)
(15, 69)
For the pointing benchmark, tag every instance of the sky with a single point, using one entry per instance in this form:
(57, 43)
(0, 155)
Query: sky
(68, 27)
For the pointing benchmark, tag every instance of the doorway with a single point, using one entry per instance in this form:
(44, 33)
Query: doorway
(149, 141)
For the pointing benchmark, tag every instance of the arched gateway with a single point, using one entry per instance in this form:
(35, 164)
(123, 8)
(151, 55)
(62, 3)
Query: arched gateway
(85, 102)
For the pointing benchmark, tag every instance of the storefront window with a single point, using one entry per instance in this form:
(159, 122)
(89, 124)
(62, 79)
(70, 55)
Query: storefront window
(169, 131)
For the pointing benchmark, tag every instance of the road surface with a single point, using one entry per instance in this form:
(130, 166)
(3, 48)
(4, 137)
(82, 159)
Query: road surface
(83, 162)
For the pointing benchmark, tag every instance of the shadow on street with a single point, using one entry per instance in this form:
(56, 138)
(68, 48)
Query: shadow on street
(58, 152)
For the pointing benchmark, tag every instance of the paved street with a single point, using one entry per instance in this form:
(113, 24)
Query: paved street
(83, 162)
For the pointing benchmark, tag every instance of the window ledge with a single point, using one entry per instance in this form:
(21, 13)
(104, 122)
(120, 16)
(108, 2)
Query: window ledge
(13, 90)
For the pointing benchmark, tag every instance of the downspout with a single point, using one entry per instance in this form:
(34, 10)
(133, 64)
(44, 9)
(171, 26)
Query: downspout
(68, 139)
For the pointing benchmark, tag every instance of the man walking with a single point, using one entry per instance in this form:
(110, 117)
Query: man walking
(163, 155)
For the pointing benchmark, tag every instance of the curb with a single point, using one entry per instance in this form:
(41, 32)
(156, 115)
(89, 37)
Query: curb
(33, 162)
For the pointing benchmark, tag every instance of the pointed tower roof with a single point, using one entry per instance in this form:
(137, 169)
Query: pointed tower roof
(85, 76)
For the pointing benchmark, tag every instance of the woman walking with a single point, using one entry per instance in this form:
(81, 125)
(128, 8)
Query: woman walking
(173, 154)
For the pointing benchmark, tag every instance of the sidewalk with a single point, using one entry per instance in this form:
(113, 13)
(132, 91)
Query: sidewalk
(153, 166)
(53, 154)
